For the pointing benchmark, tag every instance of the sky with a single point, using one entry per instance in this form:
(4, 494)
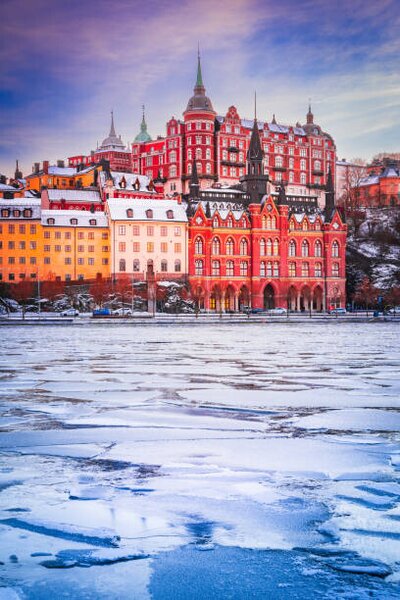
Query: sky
(64, 64)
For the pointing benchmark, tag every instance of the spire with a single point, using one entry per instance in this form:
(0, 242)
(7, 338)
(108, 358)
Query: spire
(255, 153)
(329, 196)
(18, 173)
(310, 116)
(273, 119)
(194, 186)
(199, 79)
(255, 105)
(112, 128)
(143, 135)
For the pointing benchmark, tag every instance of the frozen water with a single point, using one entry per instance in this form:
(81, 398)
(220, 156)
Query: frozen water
(219, 461)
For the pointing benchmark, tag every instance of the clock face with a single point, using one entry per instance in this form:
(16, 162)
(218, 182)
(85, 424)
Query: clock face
(199, 220)
(335, 226)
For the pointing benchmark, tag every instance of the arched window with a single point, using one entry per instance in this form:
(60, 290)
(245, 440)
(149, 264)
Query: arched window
(129, 213)
(276, 269)
(136, 265)
(230, 268)
(292, 248)
(164, 266)
(198, 153)
(149, 213)
(244, 267)
(189, 154)
(172, 171)
(208, 168)
(335, 269)
(318, 269)
(305, 248)
(318, 249)
(208, 154)
(305, 269)
(269, 247)
(215, 267)
(122, 265)
(230, 222)
(198, 246)
(262, 247)
(291, 163)
(215, 222)
(278, 161)
(292, 269)
(291, 177)
(177, 266)
(273, 222)
(170, 214)
(243, 247)
(303, 165)
(317, 165)
(303, 178)
(269, 269)
(172, 156)
(335, 249)
(216, 246)
(198, 267)
(262, 269)
(317, 225)
(304, 225)
(276, 247)
(264, 222)
(230, 246)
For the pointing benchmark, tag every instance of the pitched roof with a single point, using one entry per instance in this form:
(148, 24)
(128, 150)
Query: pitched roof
(117, 208)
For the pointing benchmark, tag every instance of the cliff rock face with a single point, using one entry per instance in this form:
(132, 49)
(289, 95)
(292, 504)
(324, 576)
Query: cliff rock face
(373, 248)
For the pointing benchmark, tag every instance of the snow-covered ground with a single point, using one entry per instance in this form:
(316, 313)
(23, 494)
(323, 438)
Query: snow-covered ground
(219, 461)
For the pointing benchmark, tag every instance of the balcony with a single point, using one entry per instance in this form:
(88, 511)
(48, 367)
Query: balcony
(232, 163)
(282, 169)
(318, 172)
(233, 149)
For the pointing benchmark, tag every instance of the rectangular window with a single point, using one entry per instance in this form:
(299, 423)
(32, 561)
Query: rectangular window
(32, 245)
(57, 248)
(22, 229)
(32, 229)
(81, 235)
(136, 246)
(164, 247)
(178, 247)
(104, 261)
(47, 235)
(91, 261)
(150, 230)
(21, 245)
(122, 247)
(81, 248)
(164, 231)
(81, 261)
(177, 231)
(67, 235)
(150, 247)
(11, 245)
(67, 248)
(57, 235)
(67, 260)
(104, 248)
(91, 248)
(32, 260)
(91, 235)
(104, 236)
(47, 248)
(11, 229)
(22, 260)
(47, 260)
(135, 230)
(122, 229)
(11, 260)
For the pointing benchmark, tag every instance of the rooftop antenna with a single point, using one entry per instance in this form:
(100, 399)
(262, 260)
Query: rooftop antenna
(255, 105)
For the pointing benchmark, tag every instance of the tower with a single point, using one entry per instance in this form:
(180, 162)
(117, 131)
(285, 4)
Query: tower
(329, 197)
(143, 135)
(255, 182)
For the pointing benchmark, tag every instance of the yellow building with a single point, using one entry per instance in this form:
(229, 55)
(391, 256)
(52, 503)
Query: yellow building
(76, 245)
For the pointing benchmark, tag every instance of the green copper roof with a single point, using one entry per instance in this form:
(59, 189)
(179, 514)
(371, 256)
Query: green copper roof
(143, 135)
(199, 80)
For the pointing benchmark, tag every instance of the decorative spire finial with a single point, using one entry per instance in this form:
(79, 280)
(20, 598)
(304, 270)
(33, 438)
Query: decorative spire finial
(255, 105)
(112, 128)
(199, 78)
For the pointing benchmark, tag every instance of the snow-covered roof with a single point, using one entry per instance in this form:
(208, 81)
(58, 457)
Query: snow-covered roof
(118, 207)
(7, 188)
(62, 171)
(74, 195)
(34, 204)
(130, 179)
(222, 190)
(62, 218)
(390, 172)
(224, 208)
(371, 180)
(311, 217)
(274, 127)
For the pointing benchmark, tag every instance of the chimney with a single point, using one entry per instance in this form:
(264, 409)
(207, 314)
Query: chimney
(36, 167)
(46, 166)
(60, 164)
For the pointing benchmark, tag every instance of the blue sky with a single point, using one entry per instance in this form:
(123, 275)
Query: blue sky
(65, 64)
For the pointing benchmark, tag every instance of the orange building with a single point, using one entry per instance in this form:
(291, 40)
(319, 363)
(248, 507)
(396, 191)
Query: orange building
(61, 177)
(75, 245)
(20, 240)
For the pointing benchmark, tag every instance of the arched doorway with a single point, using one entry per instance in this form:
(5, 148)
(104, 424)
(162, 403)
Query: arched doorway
(318, 299)
(215, 299)
(244, 297)
(269, 297)
(305, 299)
(229, 299)
(198, 297)
(292, 298)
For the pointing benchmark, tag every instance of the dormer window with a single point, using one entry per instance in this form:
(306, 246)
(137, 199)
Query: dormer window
(5, 212)
(122, 183)
(129, 213)
(73, 221)
(50, 221)
(170, 214)
(16, 213)
(92, 222)
(149, 213)
(136, 185)
(27, 212)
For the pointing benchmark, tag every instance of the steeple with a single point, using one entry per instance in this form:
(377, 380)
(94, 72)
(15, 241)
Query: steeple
(112, 128)
(194, 183)
(143, 135)
(199, 101)
(254, 182)
(329, 196)
(18, 173)
(310, 116)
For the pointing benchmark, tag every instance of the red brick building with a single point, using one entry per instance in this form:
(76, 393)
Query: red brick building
(249, 246)
(380, 188)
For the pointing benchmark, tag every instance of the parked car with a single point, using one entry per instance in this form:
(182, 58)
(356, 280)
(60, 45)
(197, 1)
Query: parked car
(394, 311)
(337, 311)
(122, 312)
(256, 311)
(101, 312)
(278, 311)
(70, 312)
